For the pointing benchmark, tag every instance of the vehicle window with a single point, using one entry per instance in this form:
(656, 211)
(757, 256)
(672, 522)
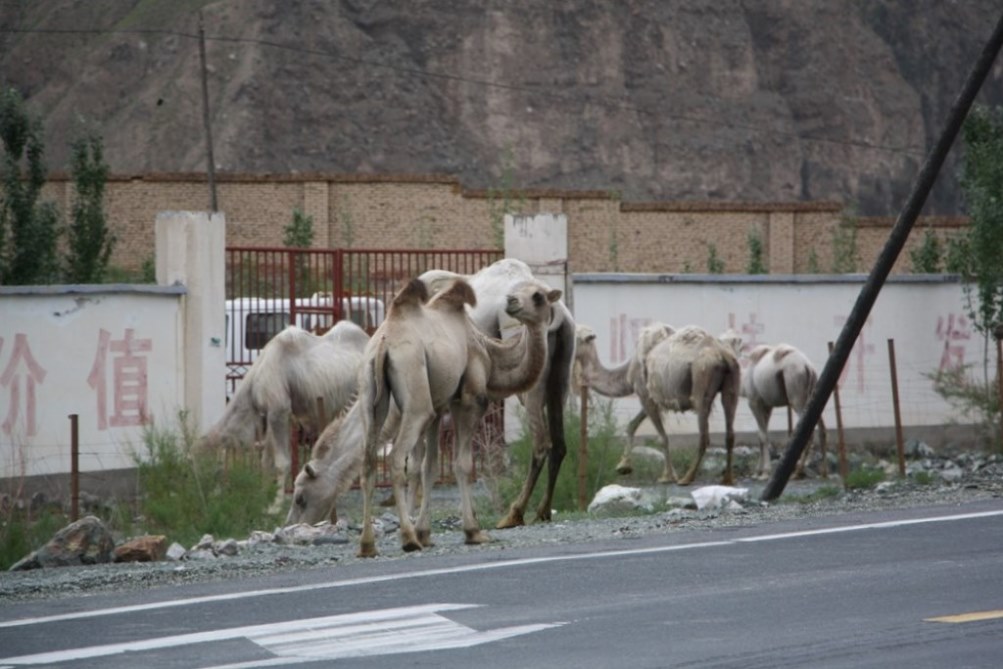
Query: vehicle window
(259, 328)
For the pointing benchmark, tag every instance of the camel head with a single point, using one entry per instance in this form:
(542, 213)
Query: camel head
(732, 340)
(530, 302)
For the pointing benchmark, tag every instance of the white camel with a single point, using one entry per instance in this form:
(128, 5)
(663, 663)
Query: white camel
(622, 381)
(295, 369)
(780, 376)
(426, 358)
(674, 370)
(544, 402)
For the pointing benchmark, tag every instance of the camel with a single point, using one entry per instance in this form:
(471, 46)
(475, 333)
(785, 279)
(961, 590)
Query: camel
(623, 381)
(780, 376)
(676, 370)
(426, 358)
(544, 402)
(294, 369)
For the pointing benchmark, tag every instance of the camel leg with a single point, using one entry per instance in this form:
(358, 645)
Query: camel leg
(555, 456)
(704, 426)
(367, 543)
(419, 487)
(277, 448)
(729, 401)
(541, 445)
(668, 472)
(624, 467)
(465, 420)
(762, 413)
(413, 427)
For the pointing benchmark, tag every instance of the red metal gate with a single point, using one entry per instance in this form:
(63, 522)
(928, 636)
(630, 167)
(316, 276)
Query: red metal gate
(270, 288)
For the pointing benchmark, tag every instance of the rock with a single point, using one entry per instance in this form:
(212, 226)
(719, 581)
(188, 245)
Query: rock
(313, 535)
(228, 548)
(87, 541)
(717, 496)
(176, 552)
(914, 448)
(951, 474)
(149, 548)
(205, 542)
(617, 499)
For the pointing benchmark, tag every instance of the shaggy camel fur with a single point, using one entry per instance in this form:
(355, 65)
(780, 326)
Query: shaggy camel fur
(684, 372)
(544, 402)
(294, 369)
(622, 381)
(780, 376)
(427, 358)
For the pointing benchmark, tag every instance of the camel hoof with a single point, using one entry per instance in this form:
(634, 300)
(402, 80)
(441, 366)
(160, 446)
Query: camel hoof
(367, 550)
(666, 479)
(410, 546)
(513, 519)
(476, 537)
(425, 538)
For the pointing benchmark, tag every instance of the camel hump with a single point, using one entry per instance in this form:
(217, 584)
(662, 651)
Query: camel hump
(456, 295)
(781, 351)
(757, 353)
(413, 294)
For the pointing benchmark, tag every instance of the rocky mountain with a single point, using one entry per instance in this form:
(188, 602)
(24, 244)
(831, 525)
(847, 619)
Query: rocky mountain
(659, 100)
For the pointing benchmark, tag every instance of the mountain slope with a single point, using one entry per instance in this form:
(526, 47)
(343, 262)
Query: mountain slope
(733, 100)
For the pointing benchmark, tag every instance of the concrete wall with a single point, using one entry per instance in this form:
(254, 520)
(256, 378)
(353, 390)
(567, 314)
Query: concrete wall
(925, 316)
(605, 233)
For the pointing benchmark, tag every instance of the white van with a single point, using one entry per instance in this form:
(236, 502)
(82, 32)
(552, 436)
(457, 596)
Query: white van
(252, 321)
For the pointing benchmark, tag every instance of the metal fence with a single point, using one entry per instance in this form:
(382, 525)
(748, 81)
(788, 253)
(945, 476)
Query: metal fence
(270, 288)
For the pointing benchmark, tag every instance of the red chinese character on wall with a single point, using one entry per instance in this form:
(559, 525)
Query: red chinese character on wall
(952, 331)
(749, 331)
(22, 372)
(128, 378)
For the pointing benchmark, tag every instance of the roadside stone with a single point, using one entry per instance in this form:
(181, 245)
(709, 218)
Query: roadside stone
(149, 548)
(176, 552)
(87, 541)
(226, 548)
(614, 499)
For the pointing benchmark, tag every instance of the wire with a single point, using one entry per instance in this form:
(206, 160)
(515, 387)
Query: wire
(605, 101)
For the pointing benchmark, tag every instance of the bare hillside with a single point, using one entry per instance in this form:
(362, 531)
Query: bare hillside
(723, 100)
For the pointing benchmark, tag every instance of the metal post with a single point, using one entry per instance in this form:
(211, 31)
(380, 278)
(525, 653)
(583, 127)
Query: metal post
(844, 466)
(899, 445)
(583, 450)
(998, 334)
(886, 260)
(74, 467)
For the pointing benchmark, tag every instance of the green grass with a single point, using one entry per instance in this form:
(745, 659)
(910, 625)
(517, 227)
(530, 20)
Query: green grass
(604, 448)
(21, 532)
(862, 479)
(186, 493)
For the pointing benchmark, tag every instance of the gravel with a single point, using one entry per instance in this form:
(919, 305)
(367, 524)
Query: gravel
(946, 483)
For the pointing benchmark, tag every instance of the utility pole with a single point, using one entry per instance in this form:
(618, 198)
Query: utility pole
(869, 293)
(205, 121)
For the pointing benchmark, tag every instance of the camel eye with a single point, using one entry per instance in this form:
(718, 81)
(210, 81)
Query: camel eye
(538, 299)
(300, 501)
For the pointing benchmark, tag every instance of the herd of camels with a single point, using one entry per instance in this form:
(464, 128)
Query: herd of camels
(453, 344)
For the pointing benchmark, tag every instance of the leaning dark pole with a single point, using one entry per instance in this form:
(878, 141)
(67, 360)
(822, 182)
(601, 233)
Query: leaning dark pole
(883, 266)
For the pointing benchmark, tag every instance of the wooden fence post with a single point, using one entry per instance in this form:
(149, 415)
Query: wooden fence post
(74, 467)
(583, 449)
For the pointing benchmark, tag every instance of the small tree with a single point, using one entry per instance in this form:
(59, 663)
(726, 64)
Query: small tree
(757, 264)
(299, 235)
(714, 263)
(90, 241)
(845, 257)
(29, 229)
(927, 256)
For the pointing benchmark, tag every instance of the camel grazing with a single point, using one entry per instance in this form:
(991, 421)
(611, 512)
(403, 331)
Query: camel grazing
(623, 381)
(427, 358)
(684, 372)
(544, 402)
(780, 376)
(294, 369)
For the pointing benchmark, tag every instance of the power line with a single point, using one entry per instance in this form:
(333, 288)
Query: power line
(604, 101)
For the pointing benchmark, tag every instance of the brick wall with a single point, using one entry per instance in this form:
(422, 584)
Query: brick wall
(434, 211)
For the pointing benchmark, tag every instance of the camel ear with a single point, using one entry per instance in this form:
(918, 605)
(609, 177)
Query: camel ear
(553, 295)
(310, 471)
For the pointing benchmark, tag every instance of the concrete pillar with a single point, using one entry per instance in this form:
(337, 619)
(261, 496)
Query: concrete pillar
(191, 250)
(541, 241)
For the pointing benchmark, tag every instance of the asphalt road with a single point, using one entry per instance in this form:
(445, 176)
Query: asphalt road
(910, 588)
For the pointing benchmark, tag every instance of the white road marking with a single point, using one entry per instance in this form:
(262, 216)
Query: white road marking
(385, 632)
(486, 566)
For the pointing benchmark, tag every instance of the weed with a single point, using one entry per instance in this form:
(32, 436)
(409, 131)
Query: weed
(923, 478)
(757, 264)
(862, 479)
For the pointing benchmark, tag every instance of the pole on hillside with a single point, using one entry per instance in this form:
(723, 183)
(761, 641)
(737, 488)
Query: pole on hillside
(211, 163)
(883, 266)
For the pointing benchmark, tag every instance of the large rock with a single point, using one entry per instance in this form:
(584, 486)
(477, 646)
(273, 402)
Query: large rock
(87, 541)
(150, 548)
